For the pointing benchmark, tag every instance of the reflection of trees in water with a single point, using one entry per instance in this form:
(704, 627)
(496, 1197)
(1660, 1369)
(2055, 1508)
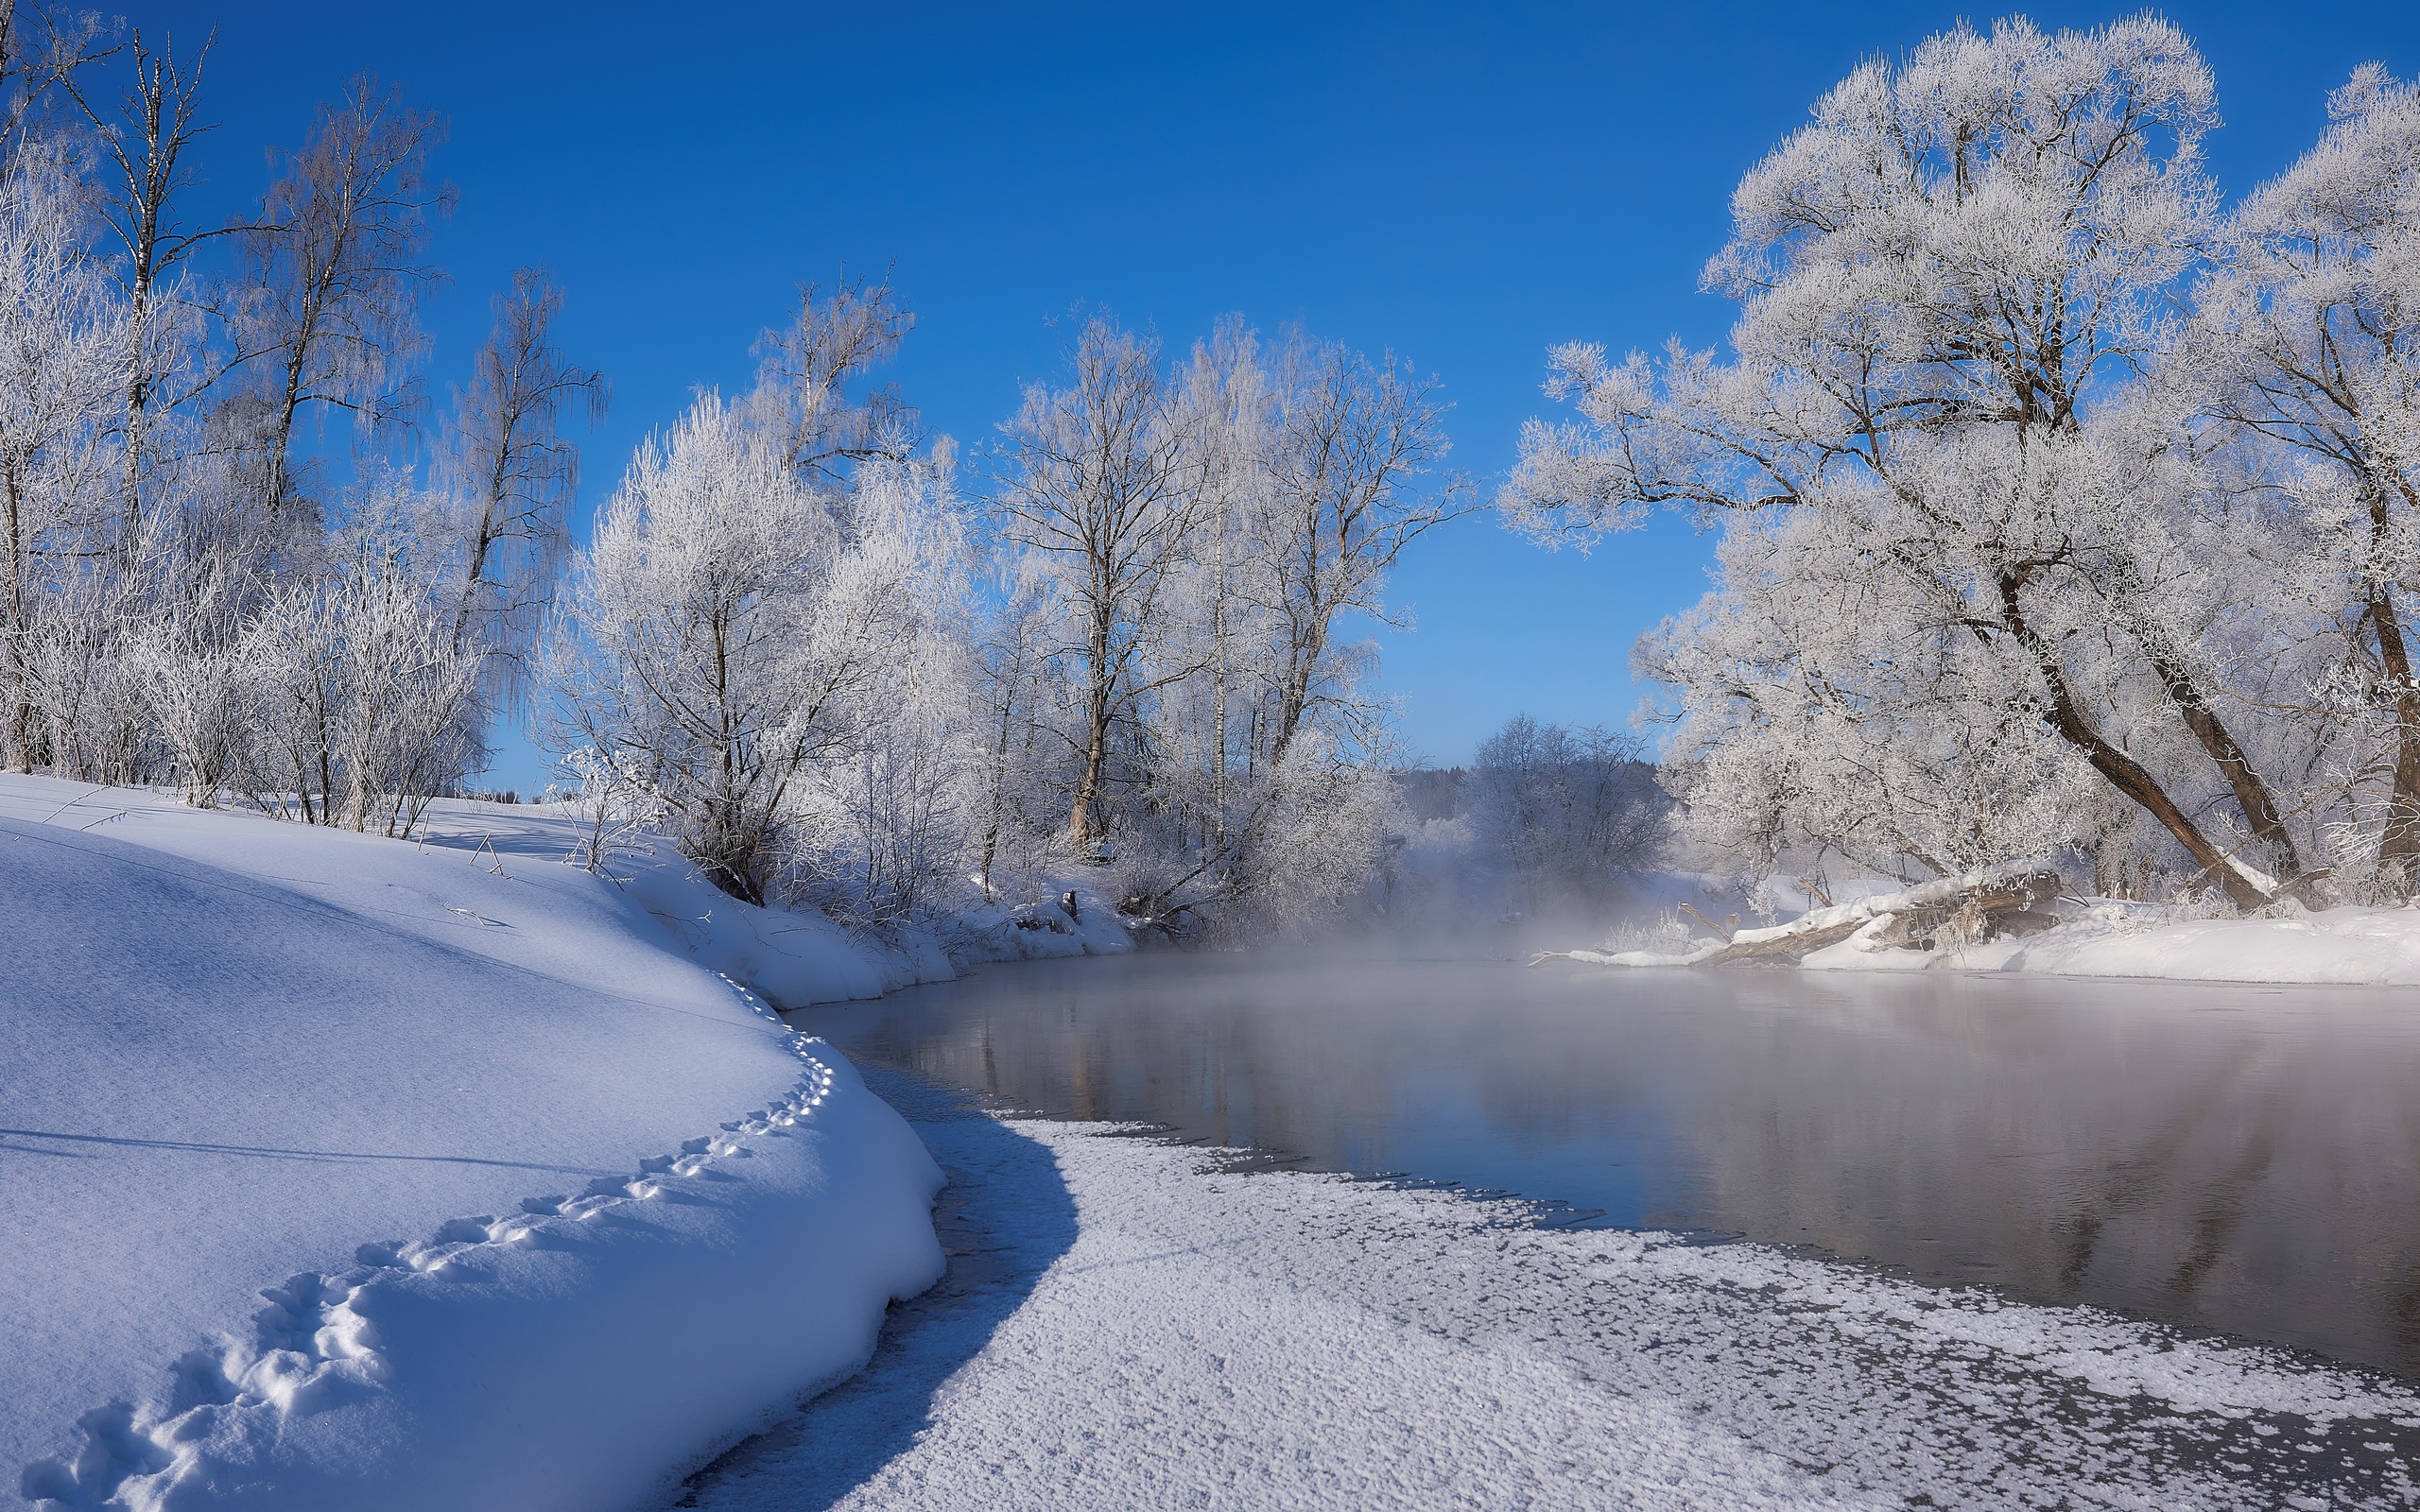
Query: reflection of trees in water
(2236, 1160)
(2222, 1156)
(2406, 1312)
(2223, 1203)
(2140, 1181)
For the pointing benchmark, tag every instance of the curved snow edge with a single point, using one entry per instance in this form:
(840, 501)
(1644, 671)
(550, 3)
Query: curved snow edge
(584, 1352)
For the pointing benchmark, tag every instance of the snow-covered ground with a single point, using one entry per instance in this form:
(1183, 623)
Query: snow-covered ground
(2379, 947)
(790, 958)
(1132, 1324)
(341, 1171)
(2376, 946)
(348, 1173)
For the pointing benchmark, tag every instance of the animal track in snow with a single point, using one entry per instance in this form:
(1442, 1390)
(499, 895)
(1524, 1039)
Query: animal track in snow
(311, 1348)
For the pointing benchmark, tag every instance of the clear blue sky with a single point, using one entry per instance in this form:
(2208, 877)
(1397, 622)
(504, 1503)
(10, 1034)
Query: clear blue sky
(1466, 184)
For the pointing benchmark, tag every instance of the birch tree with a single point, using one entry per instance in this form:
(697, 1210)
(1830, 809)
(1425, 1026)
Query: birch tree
(513, 475)
(146, 144)
(326, 316)
(1093, 482)
(1355, 475)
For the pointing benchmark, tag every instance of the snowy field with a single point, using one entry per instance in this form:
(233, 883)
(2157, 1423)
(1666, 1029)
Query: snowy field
(342, 1172)
(1205, 1337)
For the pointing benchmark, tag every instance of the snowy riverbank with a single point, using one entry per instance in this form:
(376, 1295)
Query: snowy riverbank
(2376, 947)
(345, 1172)
(1206, 1337)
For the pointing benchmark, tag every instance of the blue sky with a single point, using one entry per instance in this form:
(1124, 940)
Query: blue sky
(1465, 185)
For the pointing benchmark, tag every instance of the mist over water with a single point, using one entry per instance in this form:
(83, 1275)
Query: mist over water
(2240, 1158)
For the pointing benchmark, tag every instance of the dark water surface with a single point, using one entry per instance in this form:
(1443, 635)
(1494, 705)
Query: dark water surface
(2240, 1158)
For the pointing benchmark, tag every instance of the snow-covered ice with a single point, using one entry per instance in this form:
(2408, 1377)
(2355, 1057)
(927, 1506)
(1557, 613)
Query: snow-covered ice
(1134, 1324)
(344, 1172)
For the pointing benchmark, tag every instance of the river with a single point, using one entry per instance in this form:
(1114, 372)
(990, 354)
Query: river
(2244, 1159)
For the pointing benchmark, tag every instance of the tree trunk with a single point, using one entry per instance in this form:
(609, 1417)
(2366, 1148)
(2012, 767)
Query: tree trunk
(2122, 771)
(2399, 847)
(20, 674)
(1084, 819)
(2251, 793)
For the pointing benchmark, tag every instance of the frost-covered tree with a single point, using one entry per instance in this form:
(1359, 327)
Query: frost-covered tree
(714, 629)
(1817, 714)
(1349, 473)
(1568, 813)
(811, 381)
(1014, 693)
(187, 591)
(1354, 474)
(1948, 281)
(2307, 338)
(63, 368)
(199, 667)
(1093, 482)
(358, 682)
(1191, 550)
(891, 813)
(147, 145)
(325, 316)
(788, 642)
(513, 475)
(43, 49)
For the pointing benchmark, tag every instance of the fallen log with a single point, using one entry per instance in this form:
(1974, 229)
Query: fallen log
(1947, 913)
(1773, 945)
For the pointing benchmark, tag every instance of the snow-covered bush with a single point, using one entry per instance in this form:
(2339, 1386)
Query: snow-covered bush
(615, 804)
(359, 687)
(201, 674)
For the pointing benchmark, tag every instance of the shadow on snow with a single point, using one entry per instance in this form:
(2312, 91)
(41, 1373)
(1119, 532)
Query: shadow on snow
(1004, 1218)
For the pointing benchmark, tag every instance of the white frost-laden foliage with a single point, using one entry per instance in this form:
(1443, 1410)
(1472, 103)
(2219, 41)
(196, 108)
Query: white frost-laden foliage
(891, 815)
(2305, 340)
(1190, 546)
(720, 628)
(62, 366)
(614, 803)
(253, 549)
(195, 588)
(358, 684)
(1119, 672)
(2061, 511)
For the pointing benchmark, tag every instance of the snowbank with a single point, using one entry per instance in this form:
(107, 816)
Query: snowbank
(2379, 947)
(1205, 1337)
(343, 1172)
(792, 959)
(2369, 946)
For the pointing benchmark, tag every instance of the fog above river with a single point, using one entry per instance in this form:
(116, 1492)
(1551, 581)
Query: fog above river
(2236, 1158)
